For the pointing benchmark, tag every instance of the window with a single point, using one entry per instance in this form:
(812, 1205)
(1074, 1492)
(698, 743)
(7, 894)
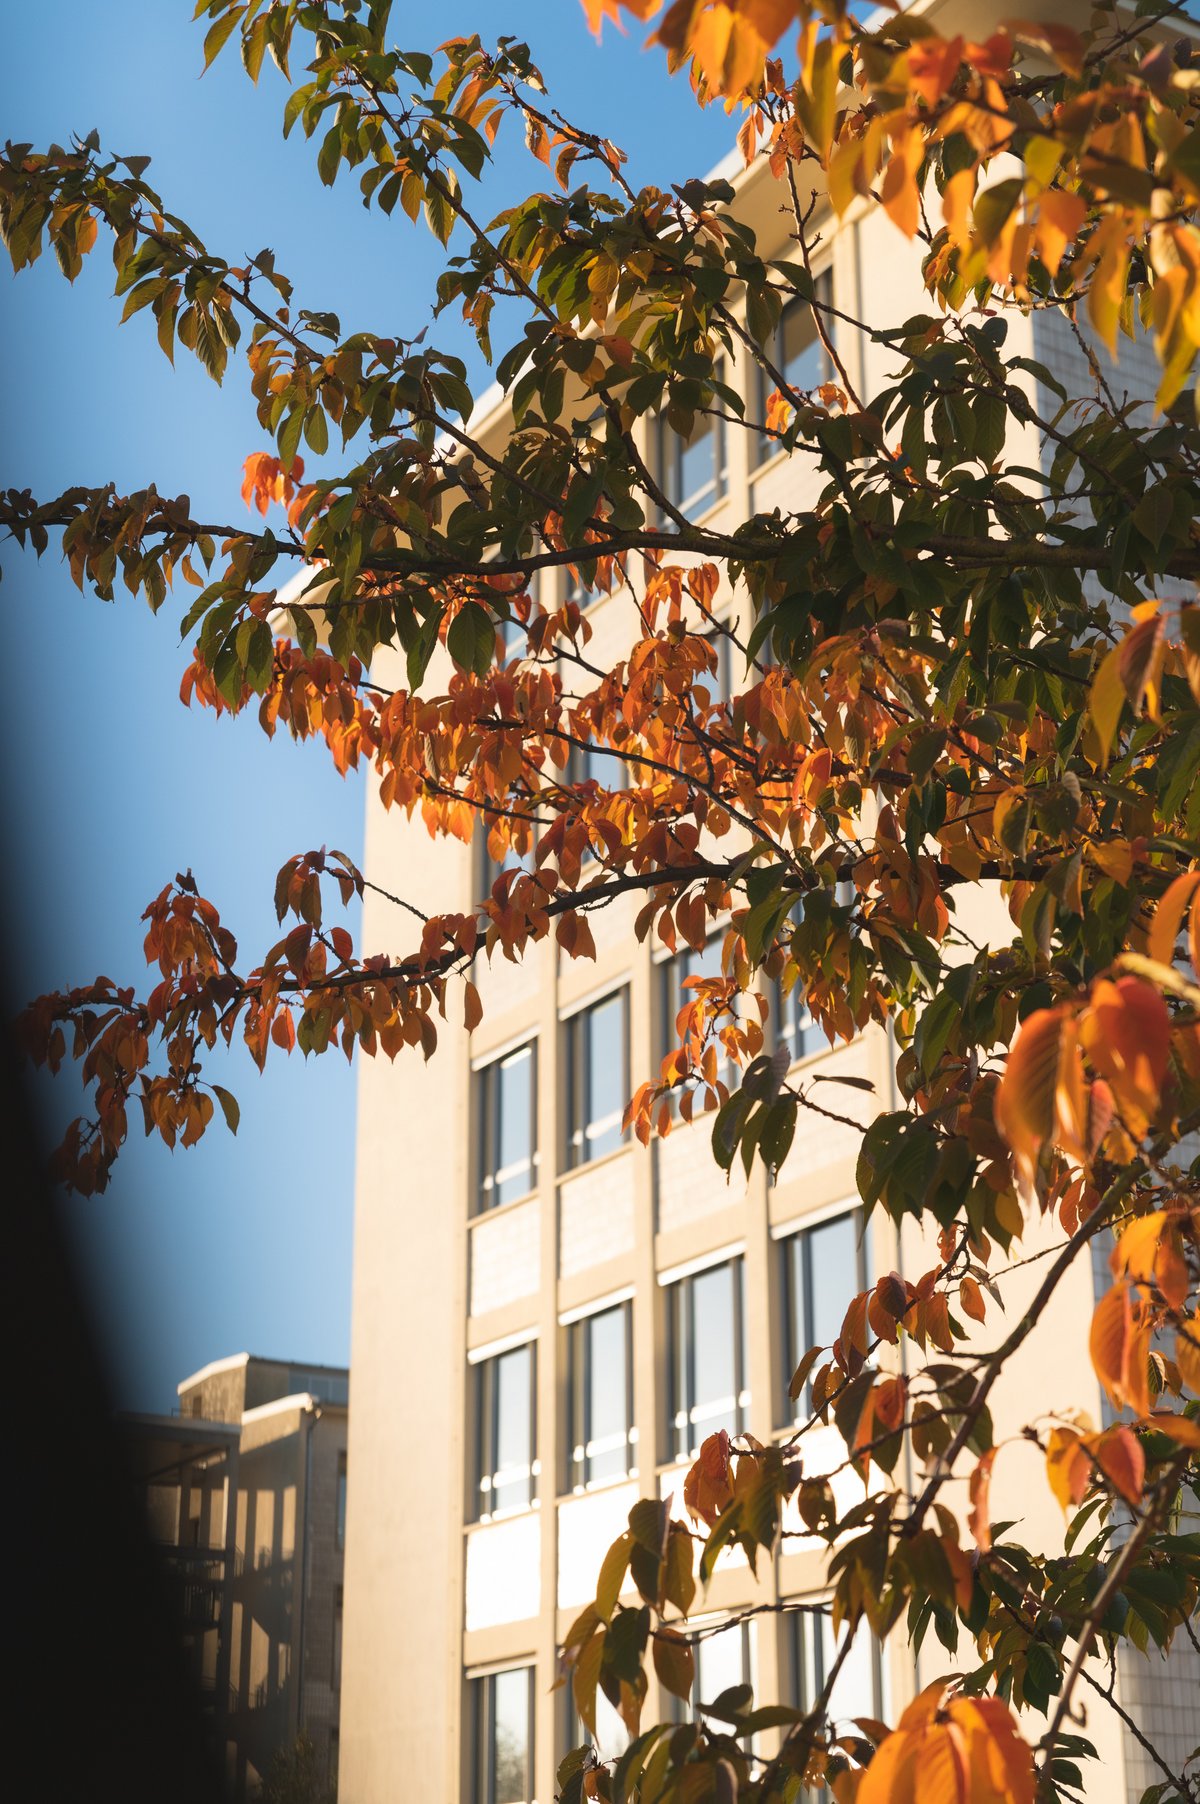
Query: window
(503, 1734)
(601, 1432)
(506, 1417)
(507, 1105)
(723, 1660)
(707, 1327)
(337, 1637)
(720, 685)
(823, 1267)
(858, 1688)
(794, 1026)
(597, 1078)
(693, 470)
(340, 1520)
(797, 354)
(335, 1742)
(611, 1738)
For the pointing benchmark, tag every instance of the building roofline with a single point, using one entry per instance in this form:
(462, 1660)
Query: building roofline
(303, 1401)
(211, 1369)
(233, 1360)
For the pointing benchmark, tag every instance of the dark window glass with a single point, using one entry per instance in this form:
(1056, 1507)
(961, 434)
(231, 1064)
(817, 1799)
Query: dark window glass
(709, 1367)
(337, 1636)
(797, 354)
(507, 1091)
(858, 1688)
(720, 685)
(503, 1714)
(694, 473)
(597, 1078)
(824, 1267)
(601, 1398)
(340, 1528)
(506, 1437)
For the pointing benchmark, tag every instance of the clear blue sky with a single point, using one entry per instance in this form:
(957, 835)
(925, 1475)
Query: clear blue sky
(110, 785)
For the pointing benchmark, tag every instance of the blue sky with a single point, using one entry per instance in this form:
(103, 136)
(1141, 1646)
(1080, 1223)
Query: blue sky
(110, 786)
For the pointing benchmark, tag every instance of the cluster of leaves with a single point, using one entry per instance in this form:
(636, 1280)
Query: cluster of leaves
(955, 670)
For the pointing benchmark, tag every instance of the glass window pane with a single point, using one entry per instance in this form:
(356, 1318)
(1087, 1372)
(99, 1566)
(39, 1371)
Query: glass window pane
(855, 1691)
(833, 1269)
(510, 1743)
(513, 1375)
(514, 1174)
(802, 358)
(721, 1663)
(714, 1361)
(607, 1395)
(604, 1098)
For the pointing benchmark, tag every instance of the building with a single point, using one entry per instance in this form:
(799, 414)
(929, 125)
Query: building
(246, 1493)
(548, 1319)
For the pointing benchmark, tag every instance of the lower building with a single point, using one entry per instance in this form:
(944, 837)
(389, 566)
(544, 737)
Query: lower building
(246, 1493)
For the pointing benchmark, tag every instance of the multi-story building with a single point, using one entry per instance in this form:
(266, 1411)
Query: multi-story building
(246, 1492)
(548, 1319)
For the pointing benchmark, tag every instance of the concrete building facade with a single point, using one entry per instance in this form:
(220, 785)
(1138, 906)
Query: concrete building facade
(547, 1319)
(246, 1491)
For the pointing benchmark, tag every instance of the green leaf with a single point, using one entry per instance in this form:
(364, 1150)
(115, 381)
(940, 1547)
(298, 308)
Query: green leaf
(219, 34)
(229, 1107)
(612, 1576)
(471, 640)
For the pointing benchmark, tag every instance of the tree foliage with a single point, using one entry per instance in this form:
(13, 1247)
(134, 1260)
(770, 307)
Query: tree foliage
(973, 661)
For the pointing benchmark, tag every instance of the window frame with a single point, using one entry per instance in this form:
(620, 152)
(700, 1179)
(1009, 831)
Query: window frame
(797, 1339)
(577, 1063)
(483, 1730)
(489, 1117)
(580, 1448)
(681, 1345)
(487, 1472)
(763, 448)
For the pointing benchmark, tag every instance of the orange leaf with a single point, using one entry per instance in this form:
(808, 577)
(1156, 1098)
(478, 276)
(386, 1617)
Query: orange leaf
(971, 1298)
(951, 1750)
(1119, 1344)
(1118, 1453)
(1126, 1034)
(1187, 1353)
(979, 1521)
(1168, 917)
(708, 1487)
(1039, 1098)
(1068, 1466)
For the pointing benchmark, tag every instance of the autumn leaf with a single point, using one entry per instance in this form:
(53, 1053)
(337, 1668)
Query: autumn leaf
(1040, 1100)
(1119, 1344)
(979, 1521)
(1068, 1466)
(951, 1750)
(1126, 1033)
(708, 1487)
